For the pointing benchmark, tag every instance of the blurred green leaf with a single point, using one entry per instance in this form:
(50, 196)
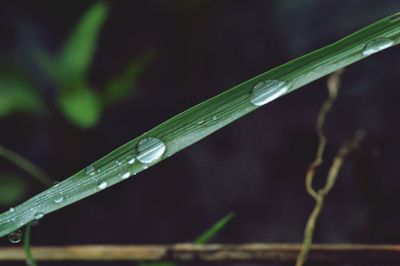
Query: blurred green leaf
(121, 85)
(17, 94)
(80, 105)
(12, 189)
(214, 229)
(78, 51)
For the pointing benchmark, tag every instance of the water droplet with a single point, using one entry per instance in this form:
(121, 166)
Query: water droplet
(15, 237)
(266, 91)
(11, 210)
(56, 183)
(118, 162)
(214, 118)
(131, 159)
(90, 170)
(150, 149)
(59, 199)
(377, 45)
(200, 122)
(38, 215)
(102, 185)
(126, 175)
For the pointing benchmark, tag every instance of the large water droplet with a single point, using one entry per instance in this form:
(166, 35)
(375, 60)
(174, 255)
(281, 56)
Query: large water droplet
(38, 215)
(266, 91)
(59, 199)
(150, 150)
(15, 237)
(377, 45)
(102, 185)
(125, 175)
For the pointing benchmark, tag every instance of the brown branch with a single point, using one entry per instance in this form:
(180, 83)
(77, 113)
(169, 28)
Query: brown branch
(252, 252)
(319, 195)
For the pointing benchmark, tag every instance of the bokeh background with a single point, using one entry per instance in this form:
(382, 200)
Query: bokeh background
(153, 59)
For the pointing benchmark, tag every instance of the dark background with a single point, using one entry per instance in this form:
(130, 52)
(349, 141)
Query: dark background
(254, 167)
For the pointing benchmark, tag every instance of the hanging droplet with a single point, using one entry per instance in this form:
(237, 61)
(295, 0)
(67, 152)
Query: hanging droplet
(266, 91)
(102, 185)
(377, 45)
(126, 175)
(15, 237)
(38, 215)
(59, 199)
(150, 150)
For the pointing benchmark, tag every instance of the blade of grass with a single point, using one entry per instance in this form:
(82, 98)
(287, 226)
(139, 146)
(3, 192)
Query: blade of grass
(214, 229)
(78, 51)
(30, 261)
(25, 165)
(204, 238)
(196, 123)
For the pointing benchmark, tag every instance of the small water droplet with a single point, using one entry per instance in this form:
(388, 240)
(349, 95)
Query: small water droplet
(38, 215)
(214, 118)
(131, 159)
(102, 185)
(377, 45)
(56, 183)
(150, 150)
(126, 175)
(266, 91)
(11, 210)
(15, 237)
(118, 162)
(59, 199)
(200, 122)
(90, 170)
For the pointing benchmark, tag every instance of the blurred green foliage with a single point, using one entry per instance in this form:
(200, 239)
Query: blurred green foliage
(68, 71)
(17, 93)
(12, 189)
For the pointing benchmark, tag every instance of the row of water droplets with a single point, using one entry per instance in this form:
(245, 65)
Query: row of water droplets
(148, 151)
(266, 91)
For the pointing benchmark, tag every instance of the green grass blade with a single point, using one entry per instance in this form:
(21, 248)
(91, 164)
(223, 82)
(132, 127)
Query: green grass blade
(78, 51)
(202, 239)
(30, 261)
(214, 229)
(123, 84)
(196, 123)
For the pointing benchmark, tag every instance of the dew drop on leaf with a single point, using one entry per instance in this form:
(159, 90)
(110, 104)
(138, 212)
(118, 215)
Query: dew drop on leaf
(150, 150)
(266, 91)
(377, 45)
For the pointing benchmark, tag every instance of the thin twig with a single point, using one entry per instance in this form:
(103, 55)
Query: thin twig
(26, 165)
(319, 195)
(251, 252)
